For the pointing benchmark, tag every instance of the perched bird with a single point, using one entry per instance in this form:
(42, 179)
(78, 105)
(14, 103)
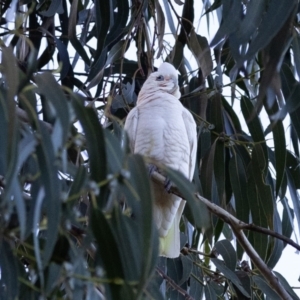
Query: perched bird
(162, 129)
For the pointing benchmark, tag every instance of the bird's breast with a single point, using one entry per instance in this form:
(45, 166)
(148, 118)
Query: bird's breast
(162, 137)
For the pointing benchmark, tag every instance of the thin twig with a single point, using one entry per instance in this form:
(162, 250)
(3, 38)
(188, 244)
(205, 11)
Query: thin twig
(191, 250)
(272, 233)
(173, 284)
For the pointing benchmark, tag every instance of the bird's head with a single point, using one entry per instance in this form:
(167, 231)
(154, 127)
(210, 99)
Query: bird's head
(165, 79)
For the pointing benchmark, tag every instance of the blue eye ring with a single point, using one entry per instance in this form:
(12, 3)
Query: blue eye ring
(160, 78)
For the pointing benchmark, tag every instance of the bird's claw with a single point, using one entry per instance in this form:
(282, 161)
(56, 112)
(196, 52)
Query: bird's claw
(167, 185)
(152, 168)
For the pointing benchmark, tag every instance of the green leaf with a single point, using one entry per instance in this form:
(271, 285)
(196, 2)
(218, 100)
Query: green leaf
(108, 252)
(296, 50)
(287, 219)
(231, 19)
(103, 21)
(114, 54)
(258, 218)
(292, 165)
(254, 124)
(196, 288)
(204, 143)
(259, 168)
(198, 209)
(176, 55)
(201, 51)
(286, 285)
(209, 292)
(9, 272)
(94, 139)
(207, 172)
(246, 282)
(54, 7)
(272, 21)
(226, 250)
(175, 269)
(229, 274)
(275, 245)
(72, 33)
(263, 285)
(149, 237)
(160, 27)
(51, 184)
(79, 181)
(219, 169)
(36, 241)
(119, 23)
(169, 17)
(251, 21)
(187, 266)
(115, 155)
(280, 150)
(238, 179)
(232, 117)
(294, 197)
(58, 107)
(129, 242)
(152, 291)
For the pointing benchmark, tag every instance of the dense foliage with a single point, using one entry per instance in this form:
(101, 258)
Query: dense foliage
(75, 204)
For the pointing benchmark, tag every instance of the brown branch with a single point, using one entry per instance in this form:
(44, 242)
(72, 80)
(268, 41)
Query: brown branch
(272, 233)
(237, 227)
(173, 284)
(186, 250)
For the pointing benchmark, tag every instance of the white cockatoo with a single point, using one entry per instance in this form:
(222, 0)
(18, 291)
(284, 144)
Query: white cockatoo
(162, 129)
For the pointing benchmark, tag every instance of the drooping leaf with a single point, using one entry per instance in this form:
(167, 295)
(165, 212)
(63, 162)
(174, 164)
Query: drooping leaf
(95, 140)
(160, 27)
(169, 17)
(229, 274)
(258, 218)
(226, 250)
(263, 285)
(9, 272)
(287, 219)
(51, 184)
(196, 280)
(200, 48)
(286, 285)
(108, 252)
(276, 15)
(259, 167)
(230, 20)
(198, 209)
(238, 179)
(149, 237)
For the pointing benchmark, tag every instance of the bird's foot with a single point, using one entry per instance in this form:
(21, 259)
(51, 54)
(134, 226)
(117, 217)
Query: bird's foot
(167, 185)
(152, 168)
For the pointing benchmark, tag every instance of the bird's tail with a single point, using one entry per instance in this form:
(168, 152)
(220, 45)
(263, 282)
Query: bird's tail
(170, 244)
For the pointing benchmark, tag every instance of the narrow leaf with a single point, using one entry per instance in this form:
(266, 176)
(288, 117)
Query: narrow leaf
(226, 250)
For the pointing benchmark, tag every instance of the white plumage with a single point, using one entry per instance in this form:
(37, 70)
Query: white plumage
(162, 129)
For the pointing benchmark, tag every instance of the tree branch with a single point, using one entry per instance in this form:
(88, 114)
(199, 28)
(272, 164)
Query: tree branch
(173, 284)
(272, 233)
(237, 227)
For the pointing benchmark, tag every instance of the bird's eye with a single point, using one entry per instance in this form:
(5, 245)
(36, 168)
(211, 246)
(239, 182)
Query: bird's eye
(160, 78)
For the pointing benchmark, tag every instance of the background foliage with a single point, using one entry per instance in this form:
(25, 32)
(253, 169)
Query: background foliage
(75, 205)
